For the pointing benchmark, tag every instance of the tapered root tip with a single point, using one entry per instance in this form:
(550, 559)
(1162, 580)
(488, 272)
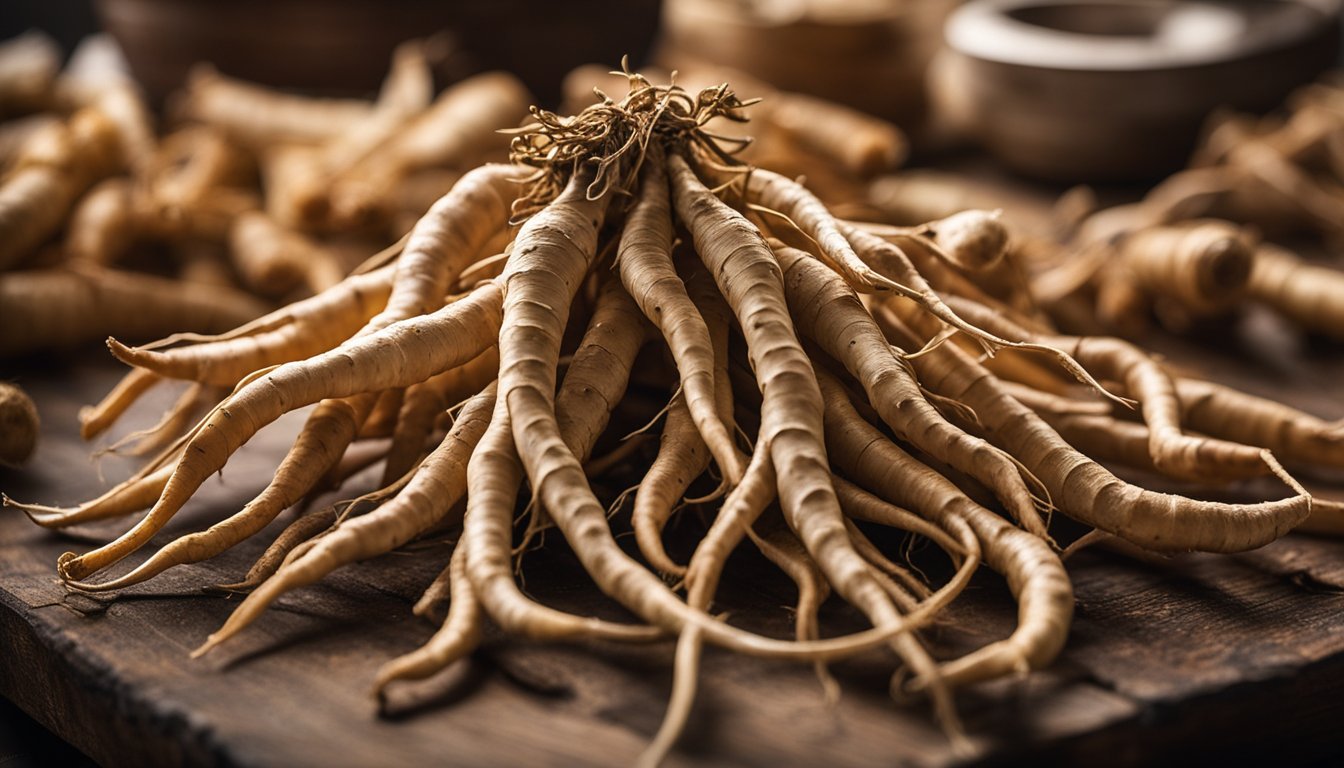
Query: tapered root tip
(733, 473)
(106, 586)
(35, 512)
(207, 646)
(40, 515)
(1277, 469)
(84, 586)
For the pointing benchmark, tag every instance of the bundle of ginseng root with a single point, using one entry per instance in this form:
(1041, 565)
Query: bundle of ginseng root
(828, 374)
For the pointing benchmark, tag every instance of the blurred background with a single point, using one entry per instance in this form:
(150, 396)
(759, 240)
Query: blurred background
(1073, 91)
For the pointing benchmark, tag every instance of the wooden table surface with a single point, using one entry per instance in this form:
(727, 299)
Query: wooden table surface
(1199, 657)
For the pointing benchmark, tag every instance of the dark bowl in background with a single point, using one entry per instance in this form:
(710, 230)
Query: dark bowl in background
(1061, 90)
(342, 47)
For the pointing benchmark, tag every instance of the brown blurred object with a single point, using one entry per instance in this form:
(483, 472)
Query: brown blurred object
(19, 425)
(1117, 90)
(341, 47)
(867, 54)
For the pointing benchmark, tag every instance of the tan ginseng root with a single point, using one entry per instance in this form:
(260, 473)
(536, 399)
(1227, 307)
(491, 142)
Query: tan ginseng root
(735, 521)
(791, 403)
(273, 260)
(306, 327)
(439, 593)
(1307, 294)
(293, 332)
(396, 356)
(1296, 437)
(413, 350)
(551, 255)
(29, 64)
(257, 117)
(382, 420)
(905, 589)
(1035, 575)
(790, 429)
(14, 134)
(304, 527)
(194, 402)
(289, 173)
(457, 129)
(438, 484)
(834, 139)
(914, 261)
(104, 224)
(644, 263)
(447, 240)
(1086, 491)
(1174, 452)
(494, 476)
(1186, 271)
(50, 309)
(949, 533)
(95, 419)
(781, 547)
(425, 401)
(319, 446)
(440, 246)
(1112, 440)
(682, 457)
(304, 202)
(972, 240)
(194, 162)
(133, 494)
(1292, 435)
(196, 183)
(1203, 264)
(776, 196)
(828, 311)
(682, 454)
(54, 168)
(459, 635)
(862, 144)
(969, 253)
(596, 380)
